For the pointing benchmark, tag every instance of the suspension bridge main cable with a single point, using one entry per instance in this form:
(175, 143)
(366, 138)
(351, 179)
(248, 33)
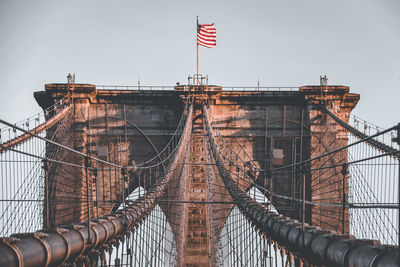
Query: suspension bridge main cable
(59, 145)
(270, 224)
(42, 127)
(365, 138)
(54, 247)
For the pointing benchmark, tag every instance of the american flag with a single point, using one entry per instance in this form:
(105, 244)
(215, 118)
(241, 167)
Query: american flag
(206, 35)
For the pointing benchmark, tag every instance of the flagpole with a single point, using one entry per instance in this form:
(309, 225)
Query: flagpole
(197, 72)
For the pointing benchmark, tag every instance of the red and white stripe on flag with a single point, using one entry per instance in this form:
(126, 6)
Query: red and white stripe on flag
(206, 35)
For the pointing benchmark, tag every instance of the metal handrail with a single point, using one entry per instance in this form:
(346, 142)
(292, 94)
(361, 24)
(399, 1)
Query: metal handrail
(260, 88)
(134, 87)
(169, 87)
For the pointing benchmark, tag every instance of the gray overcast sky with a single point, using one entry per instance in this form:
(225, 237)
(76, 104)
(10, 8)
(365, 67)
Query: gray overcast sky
(283, 43)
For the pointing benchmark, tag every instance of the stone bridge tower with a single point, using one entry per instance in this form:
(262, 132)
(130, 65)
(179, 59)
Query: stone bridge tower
(267, 128)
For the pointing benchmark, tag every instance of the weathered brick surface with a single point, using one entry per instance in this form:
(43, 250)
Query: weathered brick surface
(326, 185)
(196, 245)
